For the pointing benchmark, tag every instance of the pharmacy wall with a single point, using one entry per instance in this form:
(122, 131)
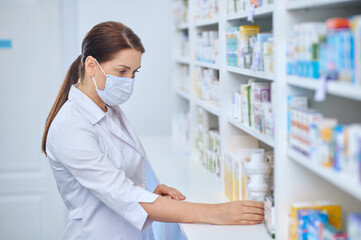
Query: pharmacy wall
(30, 75)
(151, 97)
(267, 100)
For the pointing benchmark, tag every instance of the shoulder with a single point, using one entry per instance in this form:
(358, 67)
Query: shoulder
(67, 127)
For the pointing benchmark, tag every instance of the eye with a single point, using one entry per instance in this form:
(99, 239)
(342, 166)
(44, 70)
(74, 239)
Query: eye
(136, 71)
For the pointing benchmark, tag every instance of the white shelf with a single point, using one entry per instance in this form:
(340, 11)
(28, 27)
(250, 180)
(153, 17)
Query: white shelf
(251, 73)
(253, 132)
(341, 181)
(183, 94)
(183, 26)
(173, 166)
(207, 22)
(340, 89)
(302, 4)
(183, 61)
(280, 18)
(262, 11)
(207, 65)
(210, 107)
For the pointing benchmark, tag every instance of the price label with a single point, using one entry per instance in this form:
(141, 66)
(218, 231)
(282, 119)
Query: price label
(320, 94)
(251, 13)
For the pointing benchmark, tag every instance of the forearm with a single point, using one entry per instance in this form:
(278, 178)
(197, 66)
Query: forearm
(169, 210)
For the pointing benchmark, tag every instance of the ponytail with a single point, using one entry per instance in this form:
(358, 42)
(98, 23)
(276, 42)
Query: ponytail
(72, 77)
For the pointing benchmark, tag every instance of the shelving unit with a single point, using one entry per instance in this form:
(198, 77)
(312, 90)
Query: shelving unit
(339, 180)
(207, 22)
(304, 4)
(183, 61)
(173, 166)
(183, 94)
(252, 73)
(183, 26)
(296, 178)
(344, 90)
(212, 108)
(206, 65)
(253, 132)
(258, 12)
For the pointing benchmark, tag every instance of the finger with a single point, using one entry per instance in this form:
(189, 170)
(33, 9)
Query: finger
(180, 195)
(174, 195)
(167, 196)
(252, 217)
(248, 222)
(253, 204)
(253, 210)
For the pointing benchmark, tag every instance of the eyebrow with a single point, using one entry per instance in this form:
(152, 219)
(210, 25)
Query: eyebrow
(120, 65)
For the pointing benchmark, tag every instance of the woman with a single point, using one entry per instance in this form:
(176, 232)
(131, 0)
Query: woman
(97, 160)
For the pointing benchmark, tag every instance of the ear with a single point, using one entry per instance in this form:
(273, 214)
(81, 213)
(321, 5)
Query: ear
(90, 66)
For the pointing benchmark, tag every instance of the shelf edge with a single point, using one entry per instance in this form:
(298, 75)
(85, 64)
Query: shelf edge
(339, 180)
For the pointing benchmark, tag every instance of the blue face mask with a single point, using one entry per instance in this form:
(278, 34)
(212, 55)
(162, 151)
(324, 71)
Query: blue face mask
(117, 90)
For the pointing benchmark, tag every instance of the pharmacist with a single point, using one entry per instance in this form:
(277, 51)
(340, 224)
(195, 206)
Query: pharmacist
(98, 161)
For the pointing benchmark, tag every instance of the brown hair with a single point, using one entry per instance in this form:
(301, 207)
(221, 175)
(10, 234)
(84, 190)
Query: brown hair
(102, 42)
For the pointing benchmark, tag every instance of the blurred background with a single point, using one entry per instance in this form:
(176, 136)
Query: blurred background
(40, 39)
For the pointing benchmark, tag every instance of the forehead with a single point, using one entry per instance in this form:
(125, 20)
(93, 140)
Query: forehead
(127, 57)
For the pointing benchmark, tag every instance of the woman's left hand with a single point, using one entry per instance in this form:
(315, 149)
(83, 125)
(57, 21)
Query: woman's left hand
(164, 190)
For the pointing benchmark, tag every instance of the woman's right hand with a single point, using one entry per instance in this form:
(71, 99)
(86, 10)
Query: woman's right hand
(238, 213)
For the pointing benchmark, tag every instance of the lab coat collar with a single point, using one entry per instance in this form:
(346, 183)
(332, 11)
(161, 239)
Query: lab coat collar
(134, 142)
(94, 114)
(87, 107)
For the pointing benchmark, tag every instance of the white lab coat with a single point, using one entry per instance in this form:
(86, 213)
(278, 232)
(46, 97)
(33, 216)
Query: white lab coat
(99, 169)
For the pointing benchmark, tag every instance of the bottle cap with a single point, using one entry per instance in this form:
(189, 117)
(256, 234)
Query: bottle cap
(338, 23)
(257, 155)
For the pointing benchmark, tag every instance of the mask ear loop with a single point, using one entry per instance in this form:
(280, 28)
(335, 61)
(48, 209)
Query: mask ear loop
(100, 67)
(96, 87)
(93, 76)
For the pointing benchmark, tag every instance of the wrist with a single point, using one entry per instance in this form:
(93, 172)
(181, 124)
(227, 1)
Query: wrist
(210, 213)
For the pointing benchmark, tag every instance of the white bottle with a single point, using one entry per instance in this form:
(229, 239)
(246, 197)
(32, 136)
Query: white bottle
(258, 170)
(257, 188)
(258, 164)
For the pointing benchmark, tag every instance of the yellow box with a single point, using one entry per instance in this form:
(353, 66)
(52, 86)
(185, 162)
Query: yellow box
(333, 211)
(228, 176)
(293, 224)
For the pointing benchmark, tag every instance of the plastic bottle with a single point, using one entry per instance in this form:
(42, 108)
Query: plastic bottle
(257, 188)
(258, 170)
(258, 164)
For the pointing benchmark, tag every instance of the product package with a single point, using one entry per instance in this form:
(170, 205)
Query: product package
(270, 216)
(246, 103)
(314, 224)
(206, 10)
(356, 28)
(257, 63)
(333, 212)
(207, 47)
(247, 39)
(232, 46)
(294, 101)
(354, 226)
(328, 50)
(228, 176)
(207, 142)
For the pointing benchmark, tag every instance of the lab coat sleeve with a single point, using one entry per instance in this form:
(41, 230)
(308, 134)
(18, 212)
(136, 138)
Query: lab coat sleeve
(76, 146)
